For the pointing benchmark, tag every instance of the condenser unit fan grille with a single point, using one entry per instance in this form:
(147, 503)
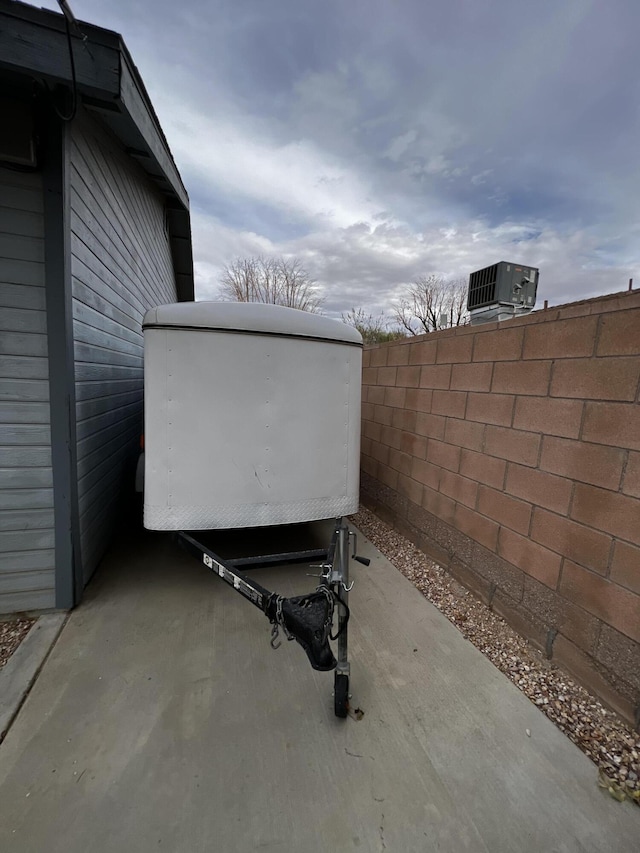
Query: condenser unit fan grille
(482, 287)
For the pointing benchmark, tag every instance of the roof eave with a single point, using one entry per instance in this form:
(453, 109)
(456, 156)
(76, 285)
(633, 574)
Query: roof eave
(33, 42)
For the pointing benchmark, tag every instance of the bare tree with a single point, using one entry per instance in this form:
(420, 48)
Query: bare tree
(430, 303)
(374, 330)
(278, 281)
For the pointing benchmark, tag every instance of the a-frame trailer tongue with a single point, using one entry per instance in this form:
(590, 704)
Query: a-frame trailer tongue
(308, 619)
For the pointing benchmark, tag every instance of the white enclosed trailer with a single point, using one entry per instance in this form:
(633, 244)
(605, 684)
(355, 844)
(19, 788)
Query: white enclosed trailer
(252, 419)
(252, 416)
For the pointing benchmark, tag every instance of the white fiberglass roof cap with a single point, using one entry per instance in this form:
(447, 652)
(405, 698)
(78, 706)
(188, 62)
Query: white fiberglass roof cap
(250, 317)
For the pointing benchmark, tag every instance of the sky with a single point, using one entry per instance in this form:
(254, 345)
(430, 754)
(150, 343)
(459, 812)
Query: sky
(381, 140)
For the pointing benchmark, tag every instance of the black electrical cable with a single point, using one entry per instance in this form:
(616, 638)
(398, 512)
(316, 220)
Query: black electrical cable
(74, 94)
(347, 615)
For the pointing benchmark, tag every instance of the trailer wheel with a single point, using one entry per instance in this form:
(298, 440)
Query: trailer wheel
(341, 695)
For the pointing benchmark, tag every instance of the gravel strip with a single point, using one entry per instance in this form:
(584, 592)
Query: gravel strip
(608, 741)
(12, 633)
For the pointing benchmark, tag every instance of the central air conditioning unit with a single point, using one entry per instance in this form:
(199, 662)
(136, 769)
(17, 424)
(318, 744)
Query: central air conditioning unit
(501, 291)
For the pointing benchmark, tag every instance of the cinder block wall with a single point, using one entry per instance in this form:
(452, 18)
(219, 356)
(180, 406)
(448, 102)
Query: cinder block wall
(510, 453)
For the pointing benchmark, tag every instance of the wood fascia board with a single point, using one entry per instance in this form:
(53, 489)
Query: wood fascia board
(34, 42)
(37, 46)
(179, 224)
(136, 103)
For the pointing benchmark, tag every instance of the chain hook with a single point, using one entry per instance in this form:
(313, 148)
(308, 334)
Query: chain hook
(274, 636)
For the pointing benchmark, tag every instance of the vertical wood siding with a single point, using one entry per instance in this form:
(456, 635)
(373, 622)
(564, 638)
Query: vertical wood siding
(27, 557)
(121, 265)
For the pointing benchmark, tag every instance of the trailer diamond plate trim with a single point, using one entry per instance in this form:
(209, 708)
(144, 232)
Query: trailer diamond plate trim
(226, 516)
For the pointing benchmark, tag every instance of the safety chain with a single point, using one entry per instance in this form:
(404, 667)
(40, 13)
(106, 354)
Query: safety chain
(329, 595)
(278, 620)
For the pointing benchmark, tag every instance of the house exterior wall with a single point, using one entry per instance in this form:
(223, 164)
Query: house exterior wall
(27, 538)
(121, 265)
(510, 453)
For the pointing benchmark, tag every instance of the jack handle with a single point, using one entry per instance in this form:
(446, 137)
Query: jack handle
(364, 560)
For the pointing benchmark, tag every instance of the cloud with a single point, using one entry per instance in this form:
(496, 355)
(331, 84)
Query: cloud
(236, 159)
(369, 265)
(401, 144)
(379, 141)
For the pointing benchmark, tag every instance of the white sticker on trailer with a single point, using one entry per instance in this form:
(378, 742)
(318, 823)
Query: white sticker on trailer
(213, 564)
(238, 583)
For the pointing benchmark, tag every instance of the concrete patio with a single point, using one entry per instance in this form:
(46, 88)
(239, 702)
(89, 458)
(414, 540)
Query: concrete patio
(162, 720)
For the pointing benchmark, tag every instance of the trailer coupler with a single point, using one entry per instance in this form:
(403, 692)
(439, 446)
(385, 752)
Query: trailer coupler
(307, 619)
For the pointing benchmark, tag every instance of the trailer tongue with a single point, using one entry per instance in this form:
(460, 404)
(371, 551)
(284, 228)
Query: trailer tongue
(308, 619)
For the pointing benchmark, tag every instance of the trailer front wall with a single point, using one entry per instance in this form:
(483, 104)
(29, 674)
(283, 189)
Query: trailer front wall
(249, 429)
(121, 266)
(27, 556)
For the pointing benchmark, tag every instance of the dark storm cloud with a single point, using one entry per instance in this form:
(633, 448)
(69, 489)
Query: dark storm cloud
(378, 140)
